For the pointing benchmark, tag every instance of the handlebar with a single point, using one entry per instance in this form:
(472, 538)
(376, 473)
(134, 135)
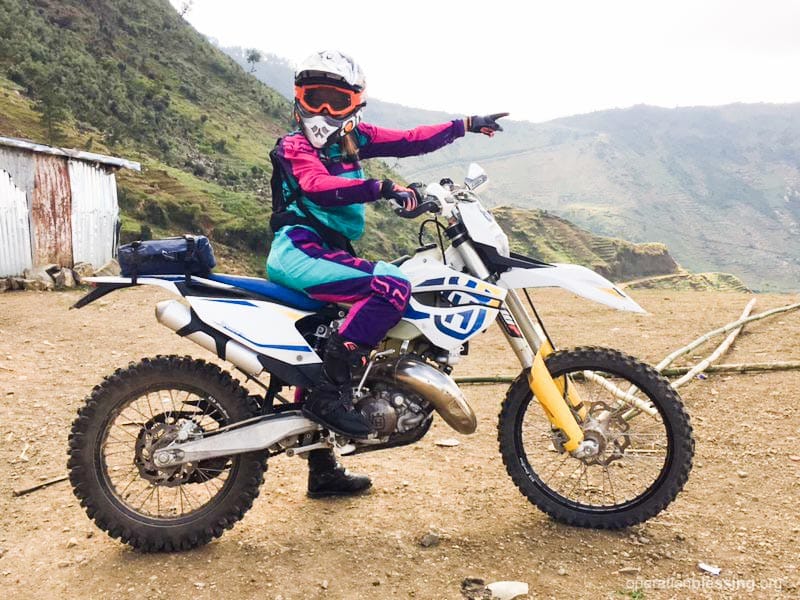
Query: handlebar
(430, 204)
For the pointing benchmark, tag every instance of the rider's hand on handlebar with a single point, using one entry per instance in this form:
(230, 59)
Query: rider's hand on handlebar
(401, 197)
(486, 125)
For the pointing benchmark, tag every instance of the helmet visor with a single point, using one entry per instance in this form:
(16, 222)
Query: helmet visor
(318, 97)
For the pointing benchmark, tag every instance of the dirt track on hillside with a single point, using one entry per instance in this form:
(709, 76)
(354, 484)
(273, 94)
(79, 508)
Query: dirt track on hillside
(738, 511)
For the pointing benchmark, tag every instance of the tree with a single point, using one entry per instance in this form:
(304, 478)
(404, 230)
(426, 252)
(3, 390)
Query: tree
(186, 7)
(52, 104)
(253, 57)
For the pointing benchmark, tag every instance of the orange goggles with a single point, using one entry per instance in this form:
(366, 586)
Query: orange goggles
(318, 97)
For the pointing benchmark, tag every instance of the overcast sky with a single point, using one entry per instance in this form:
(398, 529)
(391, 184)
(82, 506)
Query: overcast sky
(537, 59)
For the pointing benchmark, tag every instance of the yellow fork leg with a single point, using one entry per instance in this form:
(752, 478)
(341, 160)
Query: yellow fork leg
(550, 394)
(572, 394)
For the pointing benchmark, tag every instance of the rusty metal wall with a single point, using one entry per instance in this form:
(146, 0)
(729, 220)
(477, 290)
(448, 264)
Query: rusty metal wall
(95, 213)
(21, 166)
(15, 235)
(51, 209)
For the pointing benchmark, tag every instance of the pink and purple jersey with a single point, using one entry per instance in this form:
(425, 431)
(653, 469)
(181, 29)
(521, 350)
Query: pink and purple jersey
(335, 190)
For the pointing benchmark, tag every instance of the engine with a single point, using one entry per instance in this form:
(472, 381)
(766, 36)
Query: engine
(393, 410)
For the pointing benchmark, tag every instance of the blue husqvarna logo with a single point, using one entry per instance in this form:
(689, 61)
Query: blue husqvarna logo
(461, 325)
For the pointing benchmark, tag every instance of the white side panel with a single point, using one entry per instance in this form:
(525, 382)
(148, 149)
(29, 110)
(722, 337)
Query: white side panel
(15, 231)
(578, 280)
(94, 213)
(450, 326)
(265, 327)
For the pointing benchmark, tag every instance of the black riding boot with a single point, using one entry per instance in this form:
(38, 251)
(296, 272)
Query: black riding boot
(326, 477)
(329, 403)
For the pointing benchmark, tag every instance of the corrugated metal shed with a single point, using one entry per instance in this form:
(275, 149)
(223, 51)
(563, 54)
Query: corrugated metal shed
(50, 212)
(56, 206)
(95, 212)
(15, 233)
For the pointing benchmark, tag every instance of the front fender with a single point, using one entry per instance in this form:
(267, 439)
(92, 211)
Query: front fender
(575, 278)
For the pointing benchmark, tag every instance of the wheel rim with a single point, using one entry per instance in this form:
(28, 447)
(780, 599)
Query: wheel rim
(619, 484)
(146, 421)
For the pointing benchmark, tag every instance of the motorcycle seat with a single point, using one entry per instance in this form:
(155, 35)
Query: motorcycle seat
(273, 291)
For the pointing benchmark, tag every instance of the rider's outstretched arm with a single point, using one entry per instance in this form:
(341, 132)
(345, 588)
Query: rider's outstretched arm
(420, 140)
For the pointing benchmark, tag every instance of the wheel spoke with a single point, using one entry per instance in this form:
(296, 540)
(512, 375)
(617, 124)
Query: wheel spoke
(153, 488)
(184, 494)
(149, 406)
(610, 484)
(134, 478)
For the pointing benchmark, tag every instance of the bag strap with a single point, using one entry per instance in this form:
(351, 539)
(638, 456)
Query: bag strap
(136, 261)
(191, 251)
(281, 216)
(279, 201)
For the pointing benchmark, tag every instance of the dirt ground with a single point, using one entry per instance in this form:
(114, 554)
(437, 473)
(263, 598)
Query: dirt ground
(738, 510)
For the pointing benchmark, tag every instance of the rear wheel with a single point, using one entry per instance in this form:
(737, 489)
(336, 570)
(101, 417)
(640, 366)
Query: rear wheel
(643, 460)
(137, 411)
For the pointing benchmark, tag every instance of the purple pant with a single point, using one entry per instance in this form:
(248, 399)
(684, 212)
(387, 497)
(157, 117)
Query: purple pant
(378, 291)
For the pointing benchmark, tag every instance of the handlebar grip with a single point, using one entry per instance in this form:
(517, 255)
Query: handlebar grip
(423, 207)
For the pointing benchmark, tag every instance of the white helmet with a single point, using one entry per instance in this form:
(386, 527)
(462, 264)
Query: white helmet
(330, 66)
(329, 90)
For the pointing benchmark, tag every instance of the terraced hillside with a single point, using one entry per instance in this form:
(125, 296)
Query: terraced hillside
(548, 237)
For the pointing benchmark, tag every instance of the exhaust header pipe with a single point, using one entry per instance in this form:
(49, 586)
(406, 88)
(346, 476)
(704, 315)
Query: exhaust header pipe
(434, 386)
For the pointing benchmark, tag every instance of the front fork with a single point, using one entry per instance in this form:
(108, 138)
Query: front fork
(526, 337)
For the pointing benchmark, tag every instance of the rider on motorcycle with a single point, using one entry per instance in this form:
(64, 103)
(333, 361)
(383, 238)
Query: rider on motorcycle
(326, 190)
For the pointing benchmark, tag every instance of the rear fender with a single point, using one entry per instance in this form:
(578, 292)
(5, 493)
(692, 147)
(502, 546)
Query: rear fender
(105, 285)
(578, 280)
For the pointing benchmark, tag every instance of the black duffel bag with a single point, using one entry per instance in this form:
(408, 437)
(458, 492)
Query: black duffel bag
(187, 255)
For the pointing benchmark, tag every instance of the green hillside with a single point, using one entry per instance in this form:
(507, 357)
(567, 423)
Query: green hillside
(722, 282)
(550, 238)
(134, 79)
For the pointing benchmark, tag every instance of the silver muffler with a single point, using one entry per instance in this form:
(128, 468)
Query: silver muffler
(434, 386)
(177, 316)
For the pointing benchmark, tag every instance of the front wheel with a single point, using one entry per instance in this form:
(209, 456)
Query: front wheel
(134, 413)
(643, 460)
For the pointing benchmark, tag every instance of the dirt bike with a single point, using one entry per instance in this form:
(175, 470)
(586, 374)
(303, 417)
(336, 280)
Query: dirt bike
(169, 452)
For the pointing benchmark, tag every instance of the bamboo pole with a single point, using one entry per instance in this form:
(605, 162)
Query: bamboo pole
(694, 370)
(471, 380)
(628, 397)
(668, 372)
(725, 329)
(721, 349)
(738, 368)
